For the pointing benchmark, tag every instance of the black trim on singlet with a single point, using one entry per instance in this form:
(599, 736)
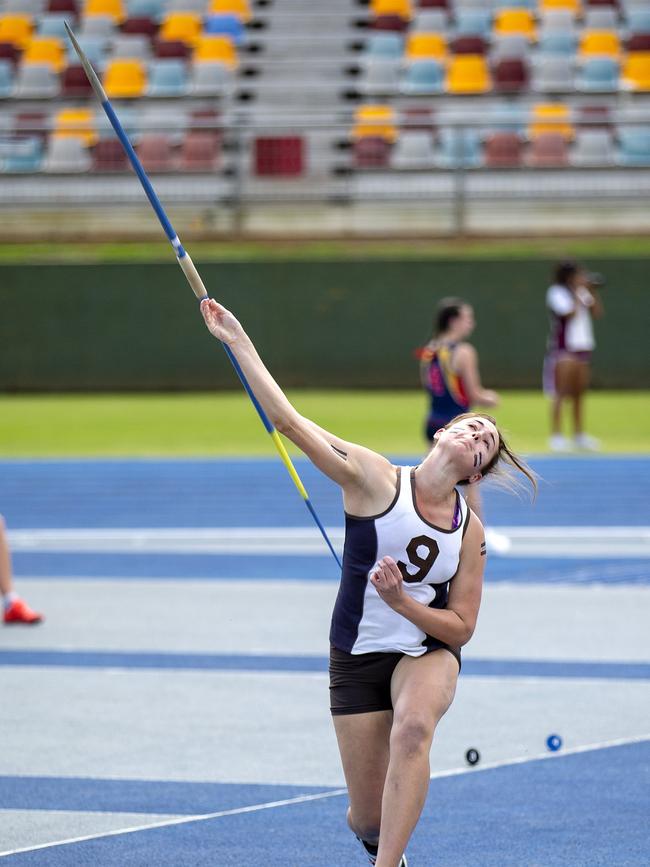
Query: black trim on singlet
(386, 511)
(421, 516)
(466, 521)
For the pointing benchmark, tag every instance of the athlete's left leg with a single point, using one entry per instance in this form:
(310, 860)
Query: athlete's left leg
(422, 690)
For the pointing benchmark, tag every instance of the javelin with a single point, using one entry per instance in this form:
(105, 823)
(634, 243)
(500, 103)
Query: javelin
(192, 275)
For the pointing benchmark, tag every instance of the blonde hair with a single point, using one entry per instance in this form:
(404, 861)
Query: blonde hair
(505, 463)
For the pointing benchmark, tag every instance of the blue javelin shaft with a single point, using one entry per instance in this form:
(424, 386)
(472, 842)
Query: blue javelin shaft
(192, 275)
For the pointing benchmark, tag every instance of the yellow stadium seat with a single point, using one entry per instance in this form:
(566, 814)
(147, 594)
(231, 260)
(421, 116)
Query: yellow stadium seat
(182, 27)
(212, 47)
(16, 29)
(599, 43)
(468, 73)
(402, 8)
(551, 117)
(635, 74)
(47, 50)
(377, 121)
(125, 79)
(240, 8)
(574, 6)
(421, 46)
(515, 22)
(76, 123)
(111, 8)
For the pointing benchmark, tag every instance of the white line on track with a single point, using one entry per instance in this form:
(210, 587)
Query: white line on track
(524, 541)
(318, 796)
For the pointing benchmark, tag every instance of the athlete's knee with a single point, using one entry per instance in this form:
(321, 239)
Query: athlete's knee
(411, 735)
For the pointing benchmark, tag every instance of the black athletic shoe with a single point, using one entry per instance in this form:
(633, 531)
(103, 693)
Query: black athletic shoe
(371, 852)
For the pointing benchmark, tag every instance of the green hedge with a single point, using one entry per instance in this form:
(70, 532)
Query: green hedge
(351, 324)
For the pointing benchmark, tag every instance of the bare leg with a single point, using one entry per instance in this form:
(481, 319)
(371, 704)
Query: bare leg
(423, 688)
(581, 382)
(6, 582)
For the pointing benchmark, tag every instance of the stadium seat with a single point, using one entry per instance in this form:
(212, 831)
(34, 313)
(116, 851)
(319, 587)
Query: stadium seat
(557, 21)
(125, 79)
(6, 77)
(52, 25)
(155, 152)
(503, 149)
(510, 75)
(198, 7)
(66, 155)
(279, 156)
(635, 74)
(592, 147)
(390, 23)
(379, 76)
(141, 25)
(216, 48)
(384, 45)
(460, 148)
(204, 119)
(156, 118)
(21, 155)
(154, 9)
(371, 152)
(10, 52)
(210, 79)
(131, 46)
(167, 77)
(420, 117)
(473, 22)
(375, 121)
(101, 26)
(24, 7)
(512, 45)
(637, 19)
(425, 46)
(430, 21)
(598, 74)
(36, 81)
(403, 8)
(510, 22)
(467, 73)
(552, 42)
(553, 73)
(240, 8)
(46, 50)
(181, 27)
(638, 42)
(548, 150)
(70, 8)
(200, 152)
(31, 124)
(74, 82)
(225, 25)
(634, 146)
(109, 156)
(75, 123)
(550, 118)
(16, 29)
(112, 8)
(600, 18)
(423, 76)
(413, 150)
(573, 6)
(172, 48)
(94, 47)
(468, 45)
(599, 43)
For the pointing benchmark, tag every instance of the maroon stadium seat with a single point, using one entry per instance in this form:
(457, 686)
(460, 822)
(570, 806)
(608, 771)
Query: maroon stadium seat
(31, 124)
(279, 156)
(200, 151)
(371, 152)
(74, 81)
(548, 149)
(172, 48)
(69, 7)
(510, 75)
(9, 51)
(468, 45)
(638, 42)
(503, 150)
(156, 153)
(143, 26)
(109, 156)
(389, 22)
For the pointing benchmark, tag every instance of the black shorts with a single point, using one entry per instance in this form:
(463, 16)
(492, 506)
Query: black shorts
(360, 683)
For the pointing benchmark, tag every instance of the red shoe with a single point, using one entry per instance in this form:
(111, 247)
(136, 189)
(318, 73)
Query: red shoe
(20, 612)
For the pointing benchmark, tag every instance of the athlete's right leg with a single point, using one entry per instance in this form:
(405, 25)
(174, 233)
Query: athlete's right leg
(364, 741)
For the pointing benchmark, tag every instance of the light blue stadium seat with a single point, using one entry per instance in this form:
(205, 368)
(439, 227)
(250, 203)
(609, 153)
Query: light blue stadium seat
(94, 47)
(6, 77)
(459, 147)
(146, 8)
(21, 155)
(634, 146)
(514, 4)
(167, 77)
(598, 75)
(225, 25)
(557, 42)
(423, 76)
(36, 81)
(384, 44)
(210, 79)
(473, 22)
(53, 25)
(638, 20)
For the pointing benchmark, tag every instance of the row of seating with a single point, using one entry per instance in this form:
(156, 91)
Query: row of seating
(475, 74)
(414, 149)
(120, 10)
(408, 8)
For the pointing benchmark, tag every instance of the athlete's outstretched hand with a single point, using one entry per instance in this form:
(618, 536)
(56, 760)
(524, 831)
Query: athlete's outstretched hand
(387, 581)
(221, 322)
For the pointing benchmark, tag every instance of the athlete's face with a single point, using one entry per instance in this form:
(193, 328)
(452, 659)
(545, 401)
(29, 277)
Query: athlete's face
(473, 442)
(465, 322)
